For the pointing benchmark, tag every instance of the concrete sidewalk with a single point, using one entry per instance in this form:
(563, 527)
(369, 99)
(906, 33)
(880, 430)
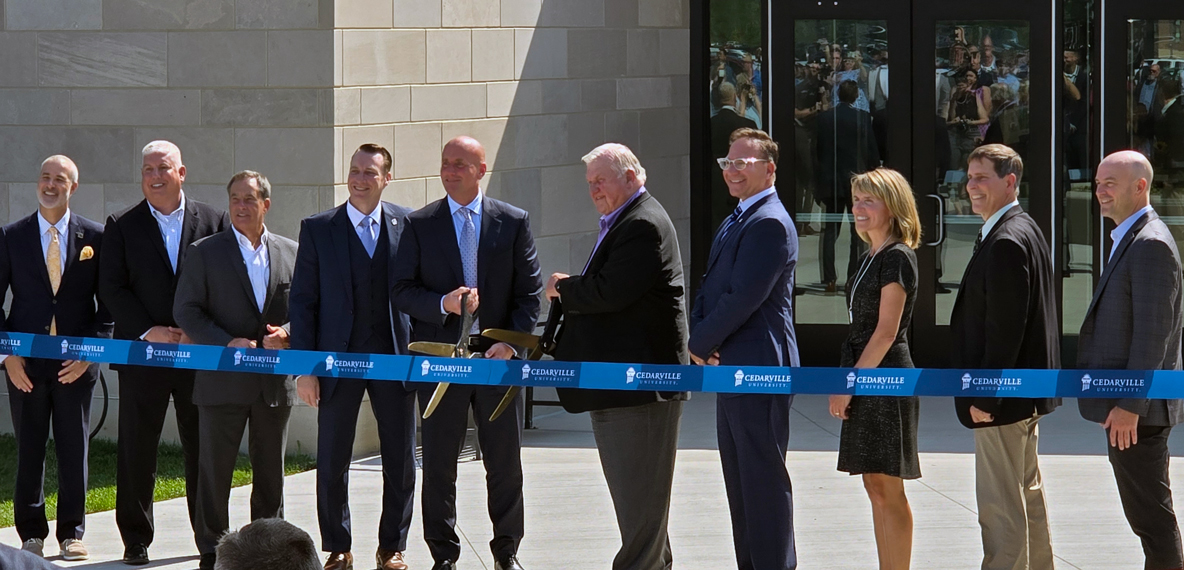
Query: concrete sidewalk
(570, 522)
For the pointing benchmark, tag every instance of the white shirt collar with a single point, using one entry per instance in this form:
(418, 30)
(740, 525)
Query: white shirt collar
(1168, 104)
(62, 225)
(245, 242)
(1120, 232)
(475, 205)
(180, 209)
(994, 219)
(747, 203)
(356, 216)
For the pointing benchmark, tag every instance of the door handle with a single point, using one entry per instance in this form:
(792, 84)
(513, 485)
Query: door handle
(941, 220)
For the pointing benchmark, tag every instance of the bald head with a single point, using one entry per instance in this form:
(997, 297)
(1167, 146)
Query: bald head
(63, 162)
(462, 166)
(1124, 182)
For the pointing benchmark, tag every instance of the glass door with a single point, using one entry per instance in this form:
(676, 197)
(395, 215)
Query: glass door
(846, 112)
(979, 79)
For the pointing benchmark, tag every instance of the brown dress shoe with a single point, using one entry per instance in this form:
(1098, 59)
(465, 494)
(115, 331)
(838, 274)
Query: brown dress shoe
(339, 561)
(390, 560)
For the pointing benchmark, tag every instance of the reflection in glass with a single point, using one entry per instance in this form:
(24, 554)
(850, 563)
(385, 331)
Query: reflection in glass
(1077, 261)
(840, 128)
(1156, 117)
(981, 84)
(736, 85)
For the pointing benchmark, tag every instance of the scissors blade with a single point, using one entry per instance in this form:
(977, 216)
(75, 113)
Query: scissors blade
(437, 396)
(441, 349)
(517, 338)
(505, 403)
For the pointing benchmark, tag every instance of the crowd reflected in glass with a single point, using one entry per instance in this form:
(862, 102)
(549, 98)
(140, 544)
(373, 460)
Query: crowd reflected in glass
(841, 100)
(981, 79)
(1078, 206)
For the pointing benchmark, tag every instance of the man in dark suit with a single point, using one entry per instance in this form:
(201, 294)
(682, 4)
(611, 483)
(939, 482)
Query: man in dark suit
(846, 146)
(244, 305)
(743, 314)
(1134, 323)
(1005, 316)
(469, 243)
(50, 260)
(340, 301)
(723, 124)
(627, 306)
(145, 247)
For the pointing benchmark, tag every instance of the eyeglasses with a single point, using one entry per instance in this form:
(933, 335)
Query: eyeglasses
(738, 163)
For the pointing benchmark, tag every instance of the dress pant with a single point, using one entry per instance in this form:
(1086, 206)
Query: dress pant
(501, 447)
(337, 421)
(143, 402)
(637, 446)
(753, 432)
(1141, 472)
(221, 430)
(1011, 507)
(65, 407)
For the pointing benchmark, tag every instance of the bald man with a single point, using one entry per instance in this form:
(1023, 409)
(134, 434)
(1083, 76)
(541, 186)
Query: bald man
(144, 248)
(469, 243)
(56, 243)
(1134, 323)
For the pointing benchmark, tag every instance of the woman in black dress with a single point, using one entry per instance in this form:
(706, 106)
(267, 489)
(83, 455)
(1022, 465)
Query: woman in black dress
(879, 437)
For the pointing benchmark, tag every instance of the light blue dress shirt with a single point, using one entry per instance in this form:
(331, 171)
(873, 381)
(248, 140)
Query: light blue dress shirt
(458, 223)
(170, 229)
(1120, 232)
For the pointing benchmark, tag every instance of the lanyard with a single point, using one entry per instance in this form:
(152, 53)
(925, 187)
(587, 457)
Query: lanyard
(863, 269)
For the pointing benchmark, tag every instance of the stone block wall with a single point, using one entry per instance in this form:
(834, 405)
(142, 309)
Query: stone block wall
(291, 87)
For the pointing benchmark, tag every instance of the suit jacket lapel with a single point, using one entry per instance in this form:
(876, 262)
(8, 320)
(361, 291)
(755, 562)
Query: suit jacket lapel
(188, 229)
(390, 224)
(273, 275)
(717, 245)
(626, 213)
(240, 268)
(340, 227)
(448, 237)
(1118, 251)
(491, 226)
(73, 236)
(33, 234)
(152, 233)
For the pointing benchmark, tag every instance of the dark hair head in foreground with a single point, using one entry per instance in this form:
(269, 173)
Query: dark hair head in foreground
(267, 544)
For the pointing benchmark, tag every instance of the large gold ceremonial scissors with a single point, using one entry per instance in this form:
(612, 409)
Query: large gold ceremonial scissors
(445, 350)
(537, 345)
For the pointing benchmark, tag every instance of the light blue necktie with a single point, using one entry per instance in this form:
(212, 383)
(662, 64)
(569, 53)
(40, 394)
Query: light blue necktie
(468, 252)
(368, 240)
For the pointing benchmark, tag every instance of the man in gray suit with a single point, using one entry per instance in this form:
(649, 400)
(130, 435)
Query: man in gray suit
(1134, 323)
(233, 291)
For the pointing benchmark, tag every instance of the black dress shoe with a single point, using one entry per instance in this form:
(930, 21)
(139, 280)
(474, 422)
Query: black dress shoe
(445, 565)
(136, 555)
(508, 563)
(207, 561)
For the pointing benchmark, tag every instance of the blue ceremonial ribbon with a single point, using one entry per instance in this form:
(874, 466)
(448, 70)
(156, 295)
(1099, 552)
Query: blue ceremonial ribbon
(1154, 384)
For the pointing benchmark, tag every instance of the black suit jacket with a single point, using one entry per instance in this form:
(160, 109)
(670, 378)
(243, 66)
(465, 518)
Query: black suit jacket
(1169, 137)
(428, 266)
(216, 304)
(846, 145)
(34, 305)
(627, 306)
(723, 124)
(321, 303)
(136, 280)
(1005, 315)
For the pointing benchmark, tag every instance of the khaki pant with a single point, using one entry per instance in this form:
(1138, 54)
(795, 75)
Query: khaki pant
(1011, 506)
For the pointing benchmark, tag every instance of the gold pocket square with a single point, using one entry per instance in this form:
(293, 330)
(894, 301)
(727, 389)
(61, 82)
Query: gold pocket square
(87, 253)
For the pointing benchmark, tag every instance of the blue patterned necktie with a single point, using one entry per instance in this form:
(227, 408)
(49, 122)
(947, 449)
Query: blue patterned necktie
(728, 223)
(468, 253)
(367, 235)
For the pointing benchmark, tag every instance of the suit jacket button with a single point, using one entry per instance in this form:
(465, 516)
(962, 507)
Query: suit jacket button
(55, 301)
(46, 328)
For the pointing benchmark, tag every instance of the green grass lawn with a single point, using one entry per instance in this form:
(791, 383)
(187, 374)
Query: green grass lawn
(100, 495)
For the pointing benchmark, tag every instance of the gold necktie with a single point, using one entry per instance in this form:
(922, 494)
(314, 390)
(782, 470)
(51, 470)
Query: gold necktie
(53, 262)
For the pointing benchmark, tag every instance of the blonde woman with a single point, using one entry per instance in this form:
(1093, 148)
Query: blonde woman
(879, 437)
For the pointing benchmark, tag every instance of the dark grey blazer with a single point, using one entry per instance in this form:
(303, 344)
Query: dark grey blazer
(1134, 321)
(215, 304)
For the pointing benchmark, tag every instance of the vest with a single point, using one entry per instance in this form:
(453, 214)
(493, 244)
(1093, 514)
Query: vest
(371, 332)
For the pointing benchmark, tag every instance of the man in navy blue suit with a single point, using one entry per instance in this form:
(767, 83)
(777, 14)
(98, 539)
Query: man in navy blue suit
(50, 260)
(469, 243)
(743, 314)
(340, 301)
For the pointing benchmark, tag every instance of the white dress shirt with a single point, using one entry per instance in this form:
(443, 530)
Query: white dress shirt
(747, 203)
(170, 229)
(258, 264)
(994, 219)
(356, 216)
(458, 223)
(63, 226)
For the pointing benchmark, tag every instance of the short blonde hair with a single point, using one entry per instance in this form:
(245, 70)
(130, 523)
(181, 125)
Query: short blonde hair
(890, 186)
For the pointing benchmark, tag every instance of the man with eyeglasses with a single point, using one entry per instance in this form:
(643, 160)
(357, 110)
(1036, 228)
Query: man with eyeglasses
(469, 243)
(743, 315)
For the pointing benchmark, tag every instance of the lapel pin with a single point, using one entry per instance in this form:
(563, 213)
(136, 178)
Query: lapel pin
(394, 222)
